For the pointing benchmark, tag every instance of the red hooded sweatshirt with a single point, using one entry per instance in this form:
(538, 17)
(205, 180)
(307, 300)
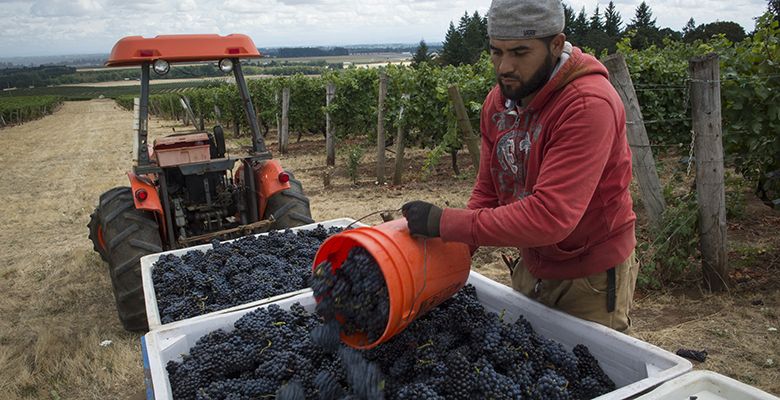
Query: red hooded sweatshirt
(553, 177)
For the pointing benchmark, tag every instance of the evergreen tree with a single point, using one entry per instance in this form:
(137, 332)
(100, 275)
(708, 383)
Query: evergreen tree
(580, 27)
(598, 41)
(483, 25)
(464, 21)
(643, 17)
(612, 21)
(568, 14)
(475, 37)
(596, 23)
(689, 29)
(422, 55)
(774, 8)
(671, 34)
(466, 43)
(646, 33)
(452, 52)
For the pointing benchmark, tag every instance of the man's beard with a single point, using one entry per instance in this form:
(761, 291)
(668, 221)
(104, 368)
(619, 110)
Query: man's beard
(537, 80)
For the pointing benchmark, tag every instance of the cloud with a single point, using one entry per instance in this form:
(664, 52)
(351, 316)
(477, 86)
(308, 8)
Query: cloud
(64, 8)
(249, 7)
(299, 2)
(187, 5)
(150, 8)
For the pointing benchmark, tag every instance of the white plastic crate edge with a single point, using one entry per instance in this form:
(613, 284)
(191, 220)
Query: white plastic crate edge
(636, 366)
(150, 298)
(706, 385)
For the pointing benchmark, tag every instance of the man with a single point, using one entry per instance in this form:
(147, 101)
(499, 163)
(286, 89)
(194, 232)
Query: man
(554, 172)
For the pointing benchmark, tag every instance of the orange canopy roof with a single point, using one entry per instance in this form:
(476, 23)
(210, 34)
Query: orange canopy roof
(135, 50)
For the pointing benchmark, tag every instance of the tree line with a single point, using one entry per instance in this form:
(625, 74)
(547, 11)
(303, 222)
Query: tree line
(597, 32)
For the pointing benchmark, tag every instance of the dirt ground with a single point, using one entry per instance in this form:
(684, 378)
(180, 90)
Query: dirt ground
(57, 306)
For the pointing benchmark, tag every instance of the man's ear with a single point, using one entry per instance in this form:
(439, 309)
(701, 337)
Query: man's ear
(556, 45)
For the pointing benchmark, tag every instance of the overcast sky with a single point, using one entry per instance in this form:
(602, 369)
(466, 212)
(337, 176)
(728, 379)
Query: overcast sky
(54, 27)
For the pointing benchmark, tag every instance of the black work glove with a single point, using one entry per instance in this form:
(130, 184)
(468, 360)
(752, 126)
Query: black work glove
(423, 218)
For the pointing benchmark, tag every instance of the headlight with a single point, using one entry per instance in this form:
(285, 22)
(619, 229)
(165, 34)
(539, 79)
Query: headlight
(225, 65)
(161, 67)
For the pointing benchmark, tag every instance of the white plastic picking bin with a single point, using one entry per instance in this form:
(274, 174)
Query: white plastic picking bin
(150, 298)
(634, 365)
(706, 385)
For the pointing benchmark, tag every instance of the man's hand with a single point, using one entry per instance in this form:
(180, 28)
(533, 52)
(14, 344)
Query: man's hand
(423, 218)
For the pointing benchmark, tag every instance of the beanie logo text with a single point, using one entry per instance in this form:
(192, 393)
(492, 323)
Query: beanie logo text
(529, 32)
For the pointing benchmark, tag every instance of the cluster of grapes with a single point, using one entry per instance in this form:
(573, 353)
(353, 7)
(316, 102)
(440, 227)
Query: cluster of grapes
(270, 352)
(356, 293)
(239, 272)
(457, 351)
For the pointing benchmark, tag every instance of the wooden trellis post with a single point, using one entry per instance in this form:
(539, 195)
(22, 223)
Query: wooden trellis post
(708, 147)
(380, 130)
(284, 135)
(278, 120)
(641, 153)
(330, 143)
(399, 155)
(472, 141)
(399, 143)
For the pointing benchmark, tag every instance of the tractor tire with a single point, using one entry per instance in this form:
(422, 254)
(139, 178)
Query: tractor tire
(95, 225)
(129, 235)
(96, 234)
(290, 208)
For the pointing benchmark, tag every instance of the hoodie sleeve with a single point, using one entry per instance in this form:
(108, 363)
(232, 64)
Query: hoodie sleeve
(573, 164)
(484, 193)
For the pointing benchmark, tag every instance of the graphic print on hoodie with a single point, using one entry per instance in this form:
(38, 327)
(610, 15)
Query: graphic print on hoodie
(512, 151)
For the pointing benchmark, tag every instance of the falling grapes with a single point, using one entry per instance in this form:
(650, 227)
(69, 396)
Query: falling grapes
(355, 294)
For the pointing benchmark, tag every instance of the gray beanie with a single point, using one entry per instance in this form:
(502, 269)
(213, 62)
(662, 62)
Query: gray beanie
(525, 19)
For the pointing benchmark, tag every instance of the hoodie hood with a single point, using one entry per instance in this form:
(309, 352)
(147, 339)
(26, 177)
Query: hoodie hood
(579, 64)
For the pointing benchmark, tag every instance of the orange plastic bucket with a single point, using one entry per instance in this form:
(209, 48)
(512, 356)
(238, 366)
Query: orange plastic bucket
(420, 273)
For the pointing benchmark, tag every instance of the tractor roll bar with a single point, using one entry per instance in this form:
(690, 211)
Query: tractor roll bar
(258, 144)
(143, 123)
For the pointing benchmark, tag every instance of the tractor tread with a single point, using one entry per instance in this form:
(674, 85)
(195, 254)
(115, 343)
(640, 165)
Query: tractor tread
(300, 217)
(129, 234)
(126, 266)
(296, 195)
(149, 247)
(109, 217)
(290, 207)
(111, 194)
(142, 220)
(121, 236)
(281, 211)
(122, 295)
(94, 228)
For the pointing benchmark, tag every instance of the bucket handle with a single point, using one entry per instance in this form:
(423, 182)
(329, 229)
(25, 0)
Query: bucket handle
(411, 312)
(368, 215)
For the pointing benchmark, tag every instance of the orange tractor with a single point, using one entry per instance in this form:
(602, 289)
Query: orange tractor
(184, 189)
